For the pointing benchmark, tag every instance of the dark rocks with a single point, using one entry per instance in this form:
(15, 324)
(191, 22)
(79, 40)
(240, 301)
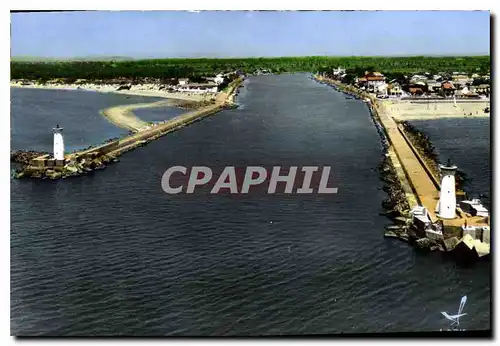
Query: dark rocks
(423, 243)
(464, 254)
(190, 105)
(401, 220)
(394, 227)
(450, 243)
(396, 201)
(400, 234)
(25, 157)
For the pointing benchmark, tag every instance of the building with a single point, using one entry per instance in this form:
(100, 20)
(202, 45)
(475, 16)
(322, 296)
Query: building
(183, 81)
(394, 89)
(219, 79)
(338, 72)
(447, 88)
(361, 82)
(58, 143)
(447, 198)
(437, 78)
(466, 93)
(375, 82)
(418, 78)
(199, 88)
(433, 86)
(461, 79)
(416, 91)
(483, 89)
(474, 207)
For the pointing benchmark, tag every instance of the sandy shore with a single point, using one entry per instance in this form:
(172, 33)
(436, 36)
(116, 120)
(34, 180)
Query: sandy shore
(123, 117)
(407, 110)
(149, 90)
(157, 130)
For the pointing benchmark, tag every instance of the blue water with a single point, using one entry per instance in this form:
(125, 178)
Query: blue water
(111, 254)
(158, 114)
(35, 112)
(467, 143)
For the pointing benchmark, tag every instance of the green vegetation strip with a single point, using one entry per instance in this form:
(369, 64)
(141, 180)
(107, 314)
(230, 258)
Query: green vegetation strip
(194, 68)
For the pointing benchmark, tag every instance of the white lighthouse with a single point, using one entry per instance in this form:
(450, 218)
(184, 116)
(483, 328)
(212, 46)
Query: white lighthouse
(447, 198)
(58, 143)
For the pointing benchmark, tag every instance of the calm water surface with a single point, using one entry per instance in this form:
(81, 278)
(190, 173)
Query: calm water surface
(35, 112)
(112, 254)
(466, 142)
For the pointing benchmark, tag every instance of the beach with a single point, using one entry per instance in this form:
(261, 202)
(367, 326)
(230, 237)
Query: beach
(151, 90)
(422, 110)
(123, 116)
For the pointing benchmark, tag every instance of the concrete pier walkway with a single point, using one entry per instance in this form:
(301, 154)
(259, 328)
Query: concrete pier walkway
(424, 184)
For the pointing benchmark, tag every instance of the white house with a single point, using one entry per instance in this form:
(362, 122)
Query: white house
(380, 88)
(183, 81)
(394, 89)
(437, 78)
(338, 71)
(219, 79)
(433, 85)
(461, 79)
(199, 88)
(417, 78)
(376, 81)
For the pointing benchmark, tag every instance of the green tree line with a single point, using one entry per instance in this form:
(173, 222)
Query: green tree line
(194, 68)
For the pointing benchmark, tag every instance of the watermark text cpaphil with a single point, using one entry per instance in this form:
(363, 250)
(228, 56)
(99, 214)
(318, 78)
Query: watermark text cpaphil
(251, 179)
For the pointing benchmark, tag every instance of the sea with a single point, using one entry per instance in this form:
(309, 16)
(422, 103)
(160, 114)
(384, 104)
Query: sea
(111, 254)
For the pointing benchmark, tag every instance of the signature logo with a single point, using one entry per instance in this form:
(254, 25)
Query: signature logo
(455, 319)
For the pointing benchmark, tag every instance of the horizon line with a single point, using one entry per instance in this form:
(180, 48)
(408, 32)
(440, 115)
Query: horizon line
(249, 56)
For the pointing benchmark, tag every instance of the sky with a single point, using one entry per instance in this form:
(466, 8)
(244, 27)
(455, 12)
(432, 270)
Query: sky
(163, 34)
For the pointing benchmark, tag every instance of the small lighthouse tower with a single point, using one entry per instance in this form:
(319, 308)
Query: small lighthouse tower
(447, 198)
(58, 143)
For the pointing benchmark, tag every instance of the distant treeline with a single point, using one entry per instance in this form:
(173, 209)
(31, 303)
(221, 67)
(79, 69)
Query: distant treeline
(194, 68)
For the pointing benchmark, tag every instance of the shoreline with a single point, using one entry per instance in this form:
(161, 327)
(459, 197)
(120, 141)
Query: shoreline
(401, 110)
(124, 117)
(98, 156)
(146, 90)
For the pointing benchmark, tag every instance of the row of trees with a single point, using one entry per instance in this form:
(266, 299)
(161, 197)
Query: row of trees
(194, 68)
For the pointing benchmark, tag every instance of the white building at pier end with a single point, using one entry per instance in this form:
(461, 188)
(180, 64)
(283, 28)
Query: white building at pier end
(58, 143)
(447, 204)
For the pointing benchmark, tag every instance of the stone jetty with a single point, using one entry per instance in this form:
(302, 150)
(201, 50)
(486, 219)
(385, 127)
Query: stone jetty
(94, 158)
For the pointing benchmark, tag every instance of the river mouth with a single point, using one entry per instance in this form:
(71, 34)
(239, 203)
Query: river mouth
(124, 258)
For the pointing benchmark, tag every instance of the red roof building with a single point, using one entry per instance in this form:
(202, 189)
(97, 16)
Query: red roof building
(447, 86)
